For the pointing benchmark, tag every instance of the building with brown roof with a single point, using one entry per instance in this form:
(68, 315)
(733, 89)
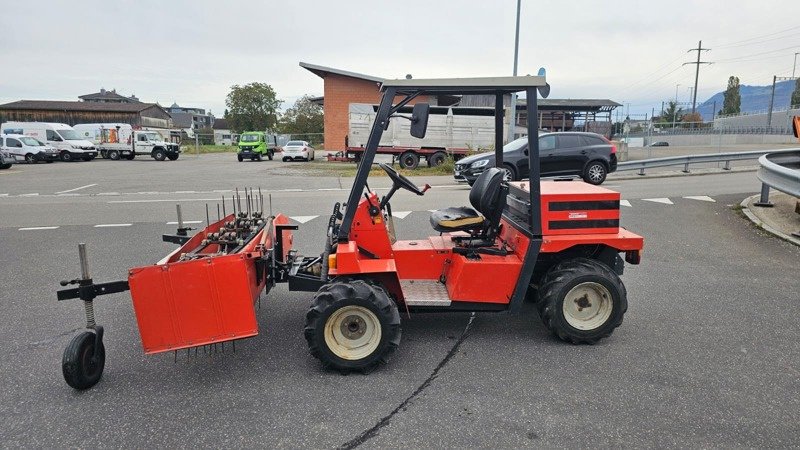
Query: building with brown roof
(73, 113)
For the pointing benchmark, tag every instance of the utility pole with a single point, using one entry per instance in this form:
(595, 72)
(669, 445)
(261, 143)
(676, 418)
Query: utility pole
(775, 79)
(513, 119)
(675, 112)
(697, 69)
(795, 63)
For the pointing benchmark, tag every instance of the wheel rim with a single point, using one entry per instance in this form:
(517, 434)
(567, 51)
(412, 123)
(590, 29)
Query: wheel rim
(507, 174)
(66, 157)
(596, 172)
(29, 158)
(352, 332)
(587, 306)
(89, 365)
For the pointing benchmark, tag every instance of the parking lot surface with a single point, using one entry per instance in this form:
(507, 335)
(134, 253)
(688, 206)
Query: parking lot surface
(707, 355)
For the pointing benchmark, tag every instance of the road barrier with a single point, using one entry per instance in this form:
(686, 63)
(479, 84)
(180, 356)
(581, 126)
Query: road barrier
(781, 171)
(698, 159)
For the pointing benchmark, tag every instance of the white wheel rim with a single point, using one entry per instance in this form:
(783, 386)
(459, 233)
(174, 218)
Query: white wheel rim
(595, 172)
(587, 306)
(506, 175)
(352, 332)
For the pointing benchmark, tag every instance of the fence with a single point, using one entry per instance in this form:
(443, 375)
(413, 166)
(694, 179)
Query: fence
(685, 161)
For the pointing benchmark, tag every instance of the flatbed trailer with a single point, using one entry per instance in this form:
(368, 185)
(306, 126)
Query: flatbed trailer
(407, 157)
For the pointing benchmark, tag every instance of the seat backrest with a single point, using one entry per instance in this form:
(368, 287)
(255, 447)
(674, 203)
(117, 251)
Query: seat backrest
(486, 191)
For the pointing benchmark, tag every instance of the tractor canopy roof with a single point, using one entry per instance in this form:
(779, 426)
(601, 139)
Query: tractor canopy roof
(475, 86)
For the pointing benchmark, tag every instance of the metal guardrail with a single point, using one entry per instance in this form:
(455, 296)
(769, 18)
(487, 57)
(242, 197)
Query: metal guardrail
(641, 165)
(780, 171)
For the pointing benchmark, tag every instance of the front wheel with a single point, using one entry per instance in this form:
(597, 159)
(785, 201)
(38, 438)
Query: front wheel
(81, 365)
(595, 173)
(270, 155)
(352, 326)
(159, 155)
(582, 301)
(509, 174)
(66, 156)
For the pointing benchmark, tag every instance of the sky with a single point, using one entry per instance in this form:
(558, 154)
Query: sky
(193, 52)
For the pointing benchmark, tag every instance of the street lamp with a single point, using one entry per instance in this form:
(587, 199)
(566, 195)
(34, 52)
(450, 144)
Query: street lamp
(675, 110)
(513, 119)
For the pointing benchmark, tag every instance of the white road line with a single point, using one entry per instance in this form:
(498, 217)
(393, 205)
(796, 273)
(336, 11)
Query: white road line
(68, 195)
(222, 191)
(303, 219)
(109, 193)
(110, 225)
(290, 190)
(160, 200)
(625, 203)
(702, 198)
(37, 228)
(401, 214)
(35, 194)
(663, 200)
(185, 192)
(331, 189)
(149, 193)
(76, 189)
(3, 195)
(185, 222)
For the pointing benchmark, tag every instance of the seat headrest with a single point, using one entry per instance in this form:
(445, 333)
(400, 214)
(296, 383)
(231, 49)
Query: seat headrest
(486, 189)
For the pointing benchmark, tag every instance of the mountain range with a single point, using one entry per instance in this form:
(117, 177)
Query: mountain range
(755, 99)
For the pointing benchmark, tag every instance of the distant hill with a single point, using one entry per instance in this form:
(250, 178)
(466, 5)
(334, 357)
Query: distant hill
(754, 98)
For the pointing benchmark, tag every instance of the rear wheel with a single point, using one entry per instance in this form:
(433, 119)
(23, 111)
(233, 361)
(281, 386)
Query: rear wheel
(5, 166)
(437, 159)
(595, 173)
(81, 365)
(270, 155)
(131, 156)
(352, 326)
(582, 301)
(113, 155)
(409, 160)
(239, 158)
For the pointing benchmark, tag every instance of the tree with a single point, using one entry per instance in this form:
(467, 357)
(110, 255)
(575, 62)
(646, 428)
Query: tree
(796, 94)
(732, 101)
(252, 107)
(692, 118)
(671, 113)
(304, 117)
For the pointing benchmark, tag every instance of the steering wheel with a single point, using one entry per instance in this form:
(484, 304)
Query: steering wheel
(401, 181)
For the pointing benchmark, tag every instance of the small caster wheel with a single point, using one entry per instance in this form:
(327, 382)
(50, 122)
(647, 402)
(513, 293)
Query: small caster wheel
(82, 365)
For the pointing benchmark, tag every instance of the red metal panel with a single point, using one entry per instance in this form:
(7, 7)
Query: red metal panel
(490, 279)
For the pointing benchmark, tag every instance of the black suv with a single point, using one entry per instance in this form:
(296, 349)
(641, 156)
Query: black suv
(588, 155)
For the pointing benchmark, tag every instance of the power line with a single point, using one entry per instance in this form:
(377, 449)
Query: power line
(697, 70)
(757, 54)
(732, 44)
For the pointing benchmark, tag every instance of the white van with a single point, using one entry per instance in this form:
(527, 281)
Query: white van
(26, 148)
(105, 133)
(70, 145)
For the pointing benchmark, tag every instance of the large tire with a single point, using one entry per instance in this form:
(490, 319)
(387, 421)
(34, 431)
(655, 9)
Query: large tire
(113, 155)
(30, 159)
(79, 365)
(239, 158)
(352, 326)
(409, 160)
(159, 154)
(131, 157)
(595, 173)
(582, 301)
(270, 154)
(173, 156)
(66, 156)
(509, 173)
(5, 166)
(437, 159)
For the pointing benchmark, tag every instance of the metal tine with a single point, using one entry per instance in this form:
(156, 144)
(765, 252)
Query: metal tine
(261, 198)
(208, 219)
(224, 214)
(270, 204)
(238, 200)
(218, 213)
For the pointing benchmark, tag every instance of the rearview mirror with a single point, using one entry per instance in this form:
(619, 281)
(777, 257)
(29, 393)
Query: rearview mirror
(419, 120)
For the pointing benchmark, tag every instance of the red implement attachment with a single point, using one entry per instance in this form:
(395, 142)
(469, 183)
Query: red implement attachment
(198, 295)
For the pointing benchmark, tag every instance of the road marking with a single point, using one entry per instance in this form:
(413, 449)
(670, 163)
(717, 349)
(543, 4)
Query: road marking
(303, 219)
(290, 190)
(76, 189)
(331, 189)
(35, 194)
(37, 228)
(663, 200)
(68, 195)
(185, 222)
(401, 214)
(110, 225)
(148, 193)
(702, 198)
(160, 200)
(109, 193)
(625, 203)
(222, 191)
(185, 192)
(3, 195)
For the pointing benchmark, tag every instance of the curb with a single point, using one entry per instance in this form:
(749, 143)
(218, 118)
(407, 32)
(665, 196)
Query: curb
(759, 223)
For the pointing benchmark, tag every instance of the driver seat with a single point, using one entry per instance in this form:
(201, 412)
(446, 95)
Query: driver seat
(488, 196)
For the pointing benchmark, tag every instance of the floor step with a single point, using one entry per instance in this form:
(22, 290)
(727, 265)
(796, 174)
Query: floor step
(425, 293)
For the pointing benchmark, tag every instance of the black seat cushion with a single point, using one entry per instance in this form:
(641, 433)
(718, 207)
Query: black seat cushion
(456, 219)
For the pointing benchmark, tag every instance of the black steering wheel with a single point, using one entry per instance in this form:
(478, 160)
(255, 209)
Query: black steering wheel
(401, 181)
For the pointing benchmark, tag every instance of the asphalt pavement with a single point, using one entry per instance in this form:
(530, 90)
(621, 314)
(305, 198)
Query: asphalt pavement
(707, 356)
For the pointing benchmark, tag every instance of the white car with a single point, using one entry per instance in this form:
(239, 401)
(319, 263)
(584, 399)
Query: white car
(298, 150)
(70, 145)
(28, 149)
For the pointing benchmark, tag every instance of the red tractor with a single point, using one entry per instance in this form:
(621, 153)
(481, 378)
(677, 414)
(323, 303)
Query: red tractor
(557, 243)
